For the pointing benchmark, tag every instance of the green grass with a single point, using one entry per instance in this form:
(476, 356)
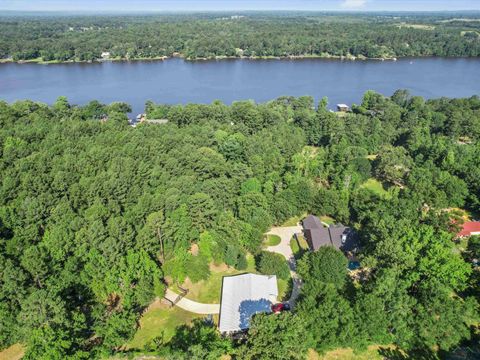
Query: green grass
(298, 247)
(294, 220)
(327, 219)
(208, 291)
(376, 187)
(272, 240)
(372, 353)
(284, 289)
(157, 321)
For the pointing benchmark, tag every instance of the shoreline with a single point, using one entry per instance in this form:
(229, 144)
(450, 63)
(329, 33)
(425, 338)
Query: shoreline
(40, 61)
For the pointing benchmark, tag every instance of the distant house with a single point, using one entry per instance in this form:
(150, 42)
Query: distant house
(339, 236)
(244, 296)
(156, 121)
(469, 228)
(142, 118)
(105, 55)
(343, 108)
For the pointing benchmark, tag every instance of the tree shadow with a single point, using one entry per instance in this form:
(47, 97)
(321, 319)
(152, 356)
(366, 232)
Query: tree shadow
(417, 354)
(248, 308)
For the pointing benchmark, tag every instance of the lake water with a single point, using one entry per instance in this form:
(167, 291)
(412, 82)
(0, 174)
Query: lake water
(177, 81)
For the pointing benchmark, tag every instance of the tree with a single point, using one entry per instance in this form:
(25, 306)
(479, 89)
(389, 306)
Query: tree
(269, 263)
(274, 337)
(327, 265)
(199, 341)
(393, 164)
(327, 315)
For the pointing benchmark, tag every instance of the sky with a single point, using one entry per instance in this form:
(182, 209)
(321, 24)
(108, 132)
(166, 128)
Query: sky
(209, 5)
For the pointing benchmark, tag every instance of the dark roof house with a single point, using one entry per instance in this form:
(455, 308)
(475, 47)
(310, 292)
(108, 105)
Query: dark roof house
(339, 236)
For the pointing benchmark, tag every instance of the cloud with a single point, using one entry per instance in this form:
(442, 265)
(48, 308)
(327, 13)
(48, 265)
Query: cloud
(353, 4)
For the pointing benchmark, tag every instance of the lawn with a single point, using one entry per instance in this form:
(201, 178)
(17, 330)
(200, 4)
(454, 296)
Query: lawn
(372, 353)
(327, 219)
(208, 291)
(376, 187)
(296, 249)
(272, 240)
(293, 221)
(284, 289)
(157, 320)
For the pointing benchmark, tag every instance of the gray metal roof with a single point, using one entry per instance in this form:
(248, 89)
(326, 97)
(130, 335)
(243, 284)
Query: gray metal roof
(243, 296)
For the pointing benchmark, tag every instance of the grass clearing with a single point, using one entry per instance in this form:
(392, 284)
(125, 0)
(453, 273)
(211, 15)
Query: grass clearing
(299, 245)
(416, 26)
(208, 291)
(372, 353)
(376, 187)
(327, 219)
(272, 240)
(294, 220)
(284, 289)
(14, 352)
(158, 320)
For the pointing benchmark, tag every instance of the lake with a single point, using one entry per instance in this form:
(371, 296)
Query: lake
(178, 81)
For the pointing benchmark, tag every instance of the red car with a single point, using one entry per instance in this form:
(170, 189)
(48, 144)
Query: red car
(278, 308)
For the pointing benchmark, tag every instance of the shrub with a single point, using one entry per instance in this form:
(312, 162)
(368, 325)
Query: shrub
(273, 264)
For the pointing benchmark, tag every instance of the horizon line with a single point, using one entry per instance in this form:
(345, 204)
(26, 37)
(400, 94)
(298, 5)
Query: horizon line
(242, 10)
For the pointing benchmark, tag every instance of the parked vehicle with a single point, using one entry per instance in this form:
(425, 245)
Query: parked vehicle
(278, 308)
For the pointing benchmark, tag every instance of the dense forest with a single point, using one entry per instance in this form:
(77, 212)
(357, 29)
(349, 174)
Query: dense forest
(97, 217)
(217, 35)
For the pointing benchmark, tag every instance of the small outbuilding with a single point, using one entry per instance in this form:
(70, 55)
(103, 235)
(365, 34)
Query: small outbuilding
(343, 108)
(469, 228)
(244, 296)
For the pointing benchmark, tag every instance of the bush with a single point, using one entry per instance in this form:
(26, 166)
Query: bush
(198, 268)
(242, 263)
(327, 265)
(273, 264)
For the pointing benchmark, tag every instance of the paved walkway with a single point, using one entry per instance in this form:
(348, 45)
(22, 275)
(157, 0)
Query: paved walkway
(190, 305)
(286, 234)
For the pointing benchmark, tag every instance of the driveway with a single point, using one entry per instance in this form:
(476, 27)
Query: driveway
(190, 305)
(286, 233)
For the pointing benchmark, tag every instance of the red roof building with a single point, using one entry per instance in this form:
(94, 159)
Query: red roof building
(470, 228)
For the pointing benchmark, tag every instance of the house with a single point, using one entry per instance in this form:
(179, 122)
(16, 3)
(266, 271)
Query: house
(244, 296)
(343, 108)
(142, 118)
(339, 236)
(105, 55)
(469, 228)
(156, 121)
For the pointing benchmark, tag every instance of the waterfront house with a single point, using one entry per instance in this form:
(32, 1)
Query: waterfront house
(343, 108)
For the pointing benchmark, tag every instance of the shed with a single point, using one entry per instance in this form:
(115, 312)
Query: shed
(343, 107)
(470, 228)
